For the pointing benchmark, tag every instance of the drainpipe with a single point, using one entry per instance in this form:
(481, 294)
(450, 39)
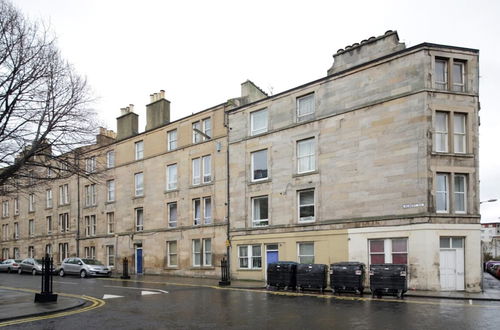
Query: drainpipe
(78, 206)
(228, 240)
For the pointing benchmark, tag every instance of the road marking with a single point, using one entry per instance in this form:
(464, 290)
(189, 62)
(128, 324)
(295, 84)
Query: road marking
(125, 287)
(302, 294)
(110, 296)
(66, 282)
(95, 303)
(147, 293)
(470, 301)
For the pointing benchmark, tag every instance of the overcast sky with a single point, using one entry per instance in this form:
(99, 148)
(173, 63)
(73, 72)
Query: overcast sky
(200, 52)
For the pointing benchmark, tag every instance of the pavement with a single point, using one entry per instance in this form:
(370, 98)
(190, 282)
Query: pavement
(19, 303)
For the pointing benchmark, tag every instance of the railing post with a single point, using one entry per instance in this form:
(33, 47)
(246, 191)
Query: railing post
(224, 269)
(125, 275)
(46, 294)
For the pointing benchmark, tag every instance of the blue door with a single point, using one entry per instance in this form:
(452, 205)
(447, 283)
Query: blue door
(138, 260)
(272, 256)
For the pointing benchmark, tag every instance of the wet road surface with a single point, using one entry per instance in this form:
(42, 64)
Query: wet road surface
(154, 305)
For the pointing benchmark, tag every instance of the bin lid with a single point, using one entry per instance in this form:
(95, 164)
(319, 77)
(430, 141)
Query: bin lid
(348, 263)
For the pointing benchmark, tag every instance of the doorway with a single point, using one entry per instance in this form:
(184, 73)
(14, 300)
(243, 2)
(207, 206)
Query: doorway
(272, 256)
(451, 266)
(138, 259)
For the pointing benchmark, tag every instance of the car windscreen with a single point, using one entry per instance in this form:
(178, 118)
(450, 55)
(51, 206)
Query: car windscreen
(18, 261)
(39, 261)
(92, 262)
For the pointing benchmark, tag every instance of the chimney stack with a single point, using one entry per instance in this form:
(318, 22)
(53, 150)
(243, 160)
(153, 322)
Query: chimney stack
(105, 136)
(157, 111)
(128, 123)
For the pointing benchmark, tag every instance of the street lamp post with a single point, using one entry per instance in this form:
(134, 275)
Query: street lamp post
(489, 201)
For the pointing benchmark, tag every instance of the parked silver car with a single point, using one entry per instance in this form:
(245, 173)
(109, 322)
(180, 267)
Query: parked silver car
(30, 265)
(10, 265)
(83, 267)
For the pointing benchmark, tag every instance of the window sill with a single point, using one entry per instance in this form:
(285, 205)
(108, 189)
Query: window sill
(260, 181)
(171, 190)
(109, 202)
(171, 268)
(201, 185)
(250, 269)
(89, 207)
(306, 222)
(202, 268)
(258, 134)
(48, 208)
(452, 154)
(138, 197)
(296, 175)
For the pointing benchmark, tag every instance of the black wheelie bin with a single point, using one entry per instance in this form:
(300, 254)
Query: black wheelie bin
(282, 274)
(388, 279)
(347, 277)
(312, 276)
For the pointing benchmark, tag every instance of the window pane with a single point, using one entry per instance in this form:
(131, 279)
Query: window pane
(377, 259)
(306, 249)
(444, 242)
(197, 205)
(207, 127)
(260, 211)
(441, 132)
(196, 171)
(307, 197)
(459, 133)
(460, 193)
(440, 74)
(399, 245)
(457, 242)
(243, 251)
(256, 262)
(259, 163)
(458, 77)
(258, 121)
(305, 105)
(307, 212)
(207, 210)
(399, 258)
(305, 155)
(376, 246)
(442, 193)
(256, 251)
(207, 169)
(306, 259)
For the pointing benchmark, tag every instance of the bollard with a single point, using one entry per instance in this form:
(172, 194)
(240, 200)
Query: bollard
(224, 269)
(46, 294)
(125, 275)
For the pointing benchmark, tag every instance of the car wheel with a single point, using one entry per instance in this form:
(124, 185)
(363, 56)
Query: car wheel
(33, 272)
(19, 271)
(83, 274)
(61, 273)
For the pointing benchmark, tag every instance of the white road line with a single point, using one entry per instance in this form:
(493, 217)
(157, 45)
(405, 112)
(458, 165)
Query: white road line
(110, 296)
(470, 301)
(124, 287)
(66, 282)
(147, 293)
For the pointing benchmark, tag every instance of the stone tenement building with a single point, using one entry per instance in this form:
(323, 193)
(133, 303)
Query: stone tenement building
(376, 162)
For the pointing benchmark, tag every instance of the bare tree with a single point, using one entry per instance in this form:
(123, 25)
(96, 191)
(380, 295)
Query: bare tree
(44, 118)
